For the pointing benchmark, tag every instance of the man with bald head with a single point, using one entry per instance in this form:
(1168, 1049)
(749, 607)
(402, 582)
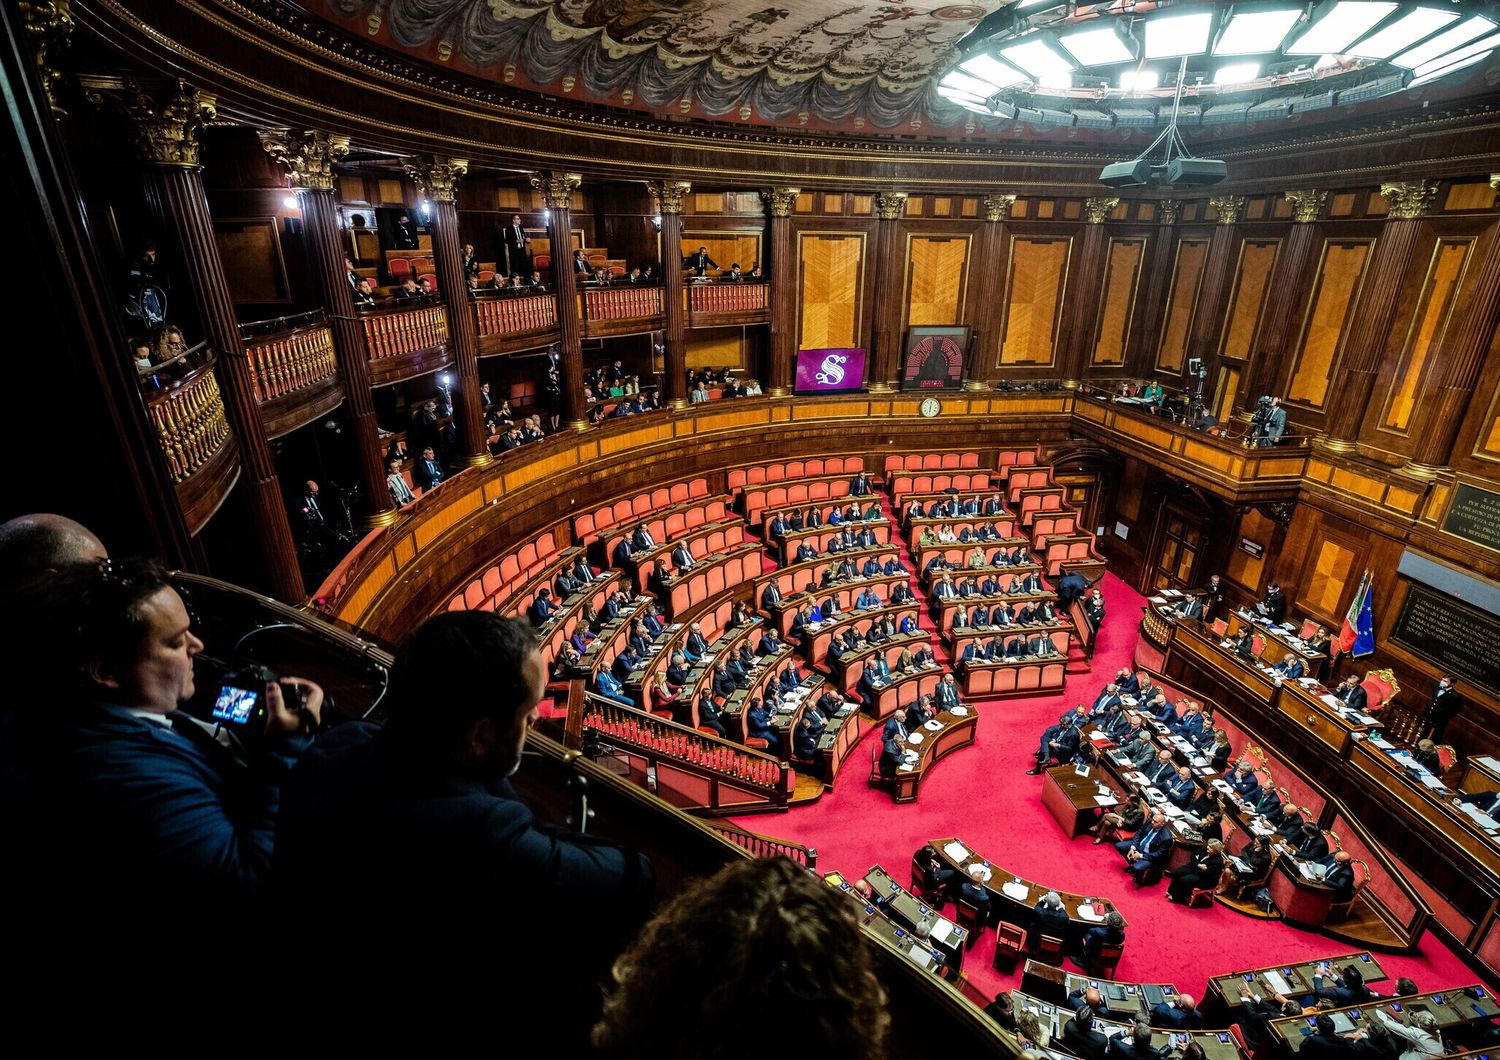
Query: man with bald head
(41, 543)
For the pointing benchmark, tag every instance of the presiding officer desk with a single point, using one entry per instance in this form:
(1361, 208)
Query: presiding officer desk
(1455, 1010)
(1014, 898)
(1123, 1002)
(1289, 980)
(1217, 1045)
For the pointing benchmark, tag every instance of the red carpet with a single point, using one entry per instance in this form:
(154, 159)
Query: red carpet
(983, 795)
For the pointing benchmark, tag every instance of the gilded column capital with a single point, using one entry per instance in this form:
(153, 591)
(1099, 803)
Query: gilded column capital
(780, 201)
(557, 188)
(997, 205)
(166, 123)
(1495, 181)
(1167, 211)
(668, 195)
(48, 23)
(1307, 204)
(1097, 211)
(436, 176)
(1409, 200)
(308, 156)
(890, 205)
(1228, 207)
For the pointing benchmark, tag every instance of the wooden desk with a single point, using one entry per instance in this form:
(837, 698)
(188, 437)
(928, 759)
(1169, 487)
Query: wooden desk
(1072, 799)
(1453, 1010)
(955, 731)
(957, 639)
(1123, 1002)
(1301, 900)
(1189, 639)
(1278, 642)
(902, 690)
(848, 668)
(945, 609)
(1217, 1045)
(873, 922)
(820, 536)
(1015, 907)
(900, 905)
(837, 740)
(1295, 980)
(997, 678)
(815, 641)
(1004, 526)
(1335, 726)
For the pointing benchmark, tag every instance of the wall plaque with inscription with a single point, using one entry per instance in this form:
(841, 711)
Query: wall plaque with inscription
(1450, 634)
(1474, 516)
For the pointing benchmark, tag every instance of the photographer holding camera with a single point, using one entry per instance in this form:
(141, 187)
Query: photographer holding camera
(147, 797)
(1267, 423)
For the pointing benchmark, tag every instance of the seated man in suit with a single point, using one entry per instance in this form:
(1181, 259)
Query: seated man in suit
(1244, 781)
(1109, 933)
(805, 552)
(1134, 1046)
(1312, 845)
(1180, 1015)
(1059, 742)
(1267, 804)
(973, 891)
(859, 486)
(1190, 725)
(867, 600)
(695, 647)
(758, 726)
(1349, 988)
(769, 644)
(919, 713)
(1047, 918)
(682, 557)
(428, 471)
(1181, 789)
(1163, 770)
(1289, 668)
(1352, 693)
(608, 686)
(1325, 1041)
(1149, 848)
(1190, 607)
(892, 748)
(790, 677)
(947, 693)
(677, 670)
(624, 665)
(541, 609)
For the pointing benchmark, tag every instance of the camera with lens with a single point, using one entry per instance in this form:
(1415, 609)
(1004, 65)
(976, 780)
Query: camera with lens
(241, 703)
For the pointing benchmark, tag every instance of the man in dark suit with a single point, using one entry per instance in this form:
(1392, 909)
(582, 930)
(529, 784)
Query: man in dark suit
(1324, 1043)
(1080, 1038)
(682, 557)
(947, 693)
(428, 471)
(1050, 918)
(1213, 597)
(541, 608)
(1443, 708)
(1312, 845)
(859, 486)
(1191, 607)
(1134, 1046)
(1147, 849)
(1352, 693)
(892, 748)
(1274, 605)
(623, 551)
(1181, 1015)
(516, 244)
(700, 262)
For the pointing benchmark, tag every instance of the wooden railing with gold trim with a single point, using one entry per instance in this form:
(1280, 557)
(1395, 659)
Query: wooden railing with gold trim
(189, 420)
(394, 332)
(622, 303)
(728, 297)
(290, 361)
(510, 314)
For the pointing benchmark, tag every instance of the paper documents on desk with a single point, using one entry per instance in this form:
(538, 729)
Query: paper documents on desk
(1486, 760)
(958, 712)
(1331, 700)
(932, 726)
(1106, 800)
(1019, 891)
(1086, 912)
(956, 850)
(942, 930)
(915, 737)
(1277, 983)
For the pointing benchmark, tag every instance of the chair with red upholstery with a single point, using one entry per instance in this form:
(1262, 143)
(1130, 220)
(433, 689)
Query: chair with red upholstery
(1380, 688)
(1010, 946)
(1105, 962)
(970, 919)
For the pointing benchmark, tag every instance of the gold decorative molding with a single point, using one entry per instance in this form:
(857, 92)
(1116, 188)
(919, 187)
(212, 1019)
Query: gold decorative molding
(1495, 181)
(1307, 204)
(780, 201)
(436, 176)
(1097, 211)
(1409, 200)
(308, 156)
(668, 195)
(997, 207)
(890, 205)
(166, 125)
(1167, 211)
(557, 188)
(1228, 207)
(48, 23)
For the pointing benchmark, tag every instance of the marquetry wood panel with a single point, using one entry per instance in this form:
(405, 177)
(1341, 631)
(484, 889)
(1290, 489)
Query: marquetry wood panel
(1036, 278)
(936, 276)
(1480, 196)
(1122, 274)
(1327, 575)
(1225, 391)
(1247, 305)
(1336, 290)
(1429, 324)
(1242, 568)
(1187, 278)
(716, 347)
(726, 248)
(832, 275)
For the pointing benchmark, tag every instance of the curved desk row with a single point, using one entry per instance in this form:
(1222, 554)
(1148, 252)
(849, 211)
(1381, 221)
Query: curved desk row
(940, 737)
(816, 640)
(1216, 1045)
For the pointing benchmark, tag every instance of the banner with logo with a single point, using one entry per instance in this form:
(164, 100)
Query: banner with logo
(830, 371)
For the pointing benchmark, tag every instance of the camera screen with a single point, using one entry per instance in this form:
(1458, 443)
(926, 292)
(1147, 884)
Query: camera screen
(235, 705)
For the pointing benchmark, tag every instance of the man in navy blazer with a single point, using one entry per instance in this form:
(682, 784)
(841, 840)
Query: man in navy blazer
(1149, 847)
(1180, 1015)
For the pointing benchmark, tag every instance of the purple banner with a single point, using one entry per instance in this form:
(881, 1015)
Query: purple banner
(824, 371)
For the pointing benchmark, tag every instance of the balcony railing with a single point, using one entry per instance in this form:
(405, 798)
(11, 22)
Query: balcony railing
(281, 364)
(189, 420)
(510, 314)
(396, 332)
(728, 297)
(622, 303)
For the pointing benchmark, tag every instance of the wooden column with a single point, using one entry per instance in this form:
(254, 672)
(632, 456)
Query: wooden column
(1140, 354)
(1288, 290)
(1375, 311)
(667, 195)
(1208, 315)
(783, 293)
(167, 138)
(1463, 358)
(557, 194)
(436, 178)
(309, 158)
(989, 273)
(1085, 292)
(885, 376)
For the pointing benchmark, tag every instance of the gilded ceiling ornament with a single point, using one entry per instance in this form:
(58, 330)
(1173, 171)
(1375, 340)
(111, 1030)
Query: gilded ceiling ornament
(1307, 205)
(167, 124)
(780, 201)
(1229, 208)
(436, 176)
(668, 195)
(308, 156)
(997, 206)
(48, 23)
(557, 188)
(1097, 211)
(1167, 211)
(1409, 199)
(889, 205)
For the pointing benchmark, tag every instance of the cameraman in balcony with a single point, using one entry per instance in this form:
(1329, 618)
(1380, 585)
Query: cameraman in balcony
(1268, 423)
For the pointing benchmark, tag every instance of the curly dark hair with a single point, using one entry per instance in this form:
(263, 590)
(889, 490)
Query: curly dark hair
(761, 936)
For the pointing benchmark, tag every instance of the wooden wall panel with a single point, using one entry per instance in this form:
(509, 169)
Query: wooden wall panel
(726, 248)
(1326, 577)
(1036, 277)
(832, 268)
(1242, 568)
(1336, 290)
(936, 278)
(1247, 304)
(717, 347)
(1122, 274)
(1428, 326)
(1187, 278)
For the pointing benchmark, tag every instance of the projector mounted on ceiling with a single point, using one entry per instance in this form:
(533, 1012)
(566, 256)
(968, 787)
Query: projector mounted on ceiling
(1176, 164)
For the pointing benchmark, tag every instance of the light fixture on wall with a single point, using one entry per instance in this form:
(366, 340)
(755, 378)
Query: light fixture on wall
(656, 222)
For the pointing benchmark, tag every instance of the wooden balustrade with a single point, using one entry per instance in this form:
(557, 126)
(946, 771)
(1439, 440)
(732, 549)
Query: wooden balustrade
(189, 420)
(764, 846)
(280, 364)
(728, 297)
(621, 303)
(396, 332)
(509, 314)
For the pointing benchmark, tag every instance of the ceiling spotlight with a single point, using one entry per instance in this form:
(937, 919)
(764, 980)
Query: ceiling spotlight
(1139, 80)
(1335, 26)
(967, 86)
(1098, 47)
(1249, 32)
(1403, 33)
(1173, 35)
(1445, 42)
(1236, 73)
